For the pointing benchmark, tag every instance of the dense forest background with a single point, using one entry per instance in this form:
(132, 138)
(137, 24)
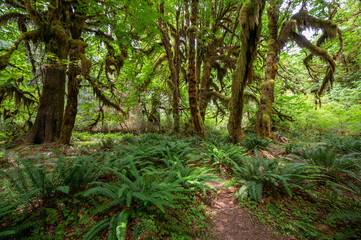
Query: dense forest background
(247, 89)
(142, 66)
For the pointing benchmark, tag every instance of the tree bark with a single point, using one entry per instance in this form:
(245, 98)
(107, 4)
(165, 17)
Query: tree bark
(204, 87)
(264, 114)
(192, 76)
(174, 66)
(74, 79)
(251, 23)
(49, 119)
(71, 109)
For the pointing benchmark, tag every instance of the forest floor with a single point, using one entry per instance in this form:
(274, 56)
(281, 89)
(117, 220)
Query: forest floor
(232, 222)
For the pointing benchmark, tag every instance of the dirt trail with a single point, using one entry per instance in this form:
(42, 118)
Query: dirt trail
(234, 223)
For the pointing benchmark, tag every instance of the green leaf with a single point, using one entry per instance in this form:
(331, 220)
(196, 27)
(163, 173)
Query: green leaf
(63, 189)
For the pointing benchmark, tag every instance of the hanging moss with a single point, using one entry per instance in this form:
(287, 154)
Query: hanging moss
(13, 16)
(285, 33)
(116, 61)
(4, 59)
(85, 66)
(65, 41)
(304, 20)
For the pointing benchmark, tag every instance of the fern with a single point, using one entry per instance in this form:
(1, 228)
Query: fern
(77, 174)
(254, 142)
(222, 158)
(268, 175)
(136, 188)
(94, 231)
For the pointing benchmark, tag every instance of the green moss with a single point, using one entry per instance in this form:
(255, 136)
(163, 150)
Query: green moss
(4, 61)
(192, 29)
(268, 84)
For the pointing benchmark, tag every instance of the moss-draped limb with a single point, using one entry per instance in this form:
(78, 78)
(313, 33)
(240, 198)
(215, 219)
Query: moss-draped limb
(102, 98)
(251, 23)
(65, 41)
(304, 20)
(35, 16)
(4, 59)
(224, 99)
(304, 43)
(13, 16)
(11, 91)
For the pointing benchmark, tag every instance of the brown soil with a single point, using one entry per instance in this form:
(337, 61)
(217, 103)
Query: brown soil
(233, 222)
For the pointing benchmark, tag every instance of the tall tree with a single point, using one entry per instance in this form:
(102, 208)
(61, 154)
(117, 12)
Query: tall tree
(173, 57)
(50, 28)
(251, 24)
(277, 40)
(264, 114)
(192, 76)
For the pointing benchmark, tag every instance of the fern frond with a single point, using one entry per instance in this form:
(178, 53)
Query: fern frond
(94, 231)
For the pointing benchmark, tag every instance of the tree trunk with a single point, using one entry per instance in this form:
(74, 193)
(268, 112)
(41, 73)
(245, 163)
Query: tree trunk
(204, 87)
(71, 109)
(174, 66)
(192, 76)
(264, 114)
(49, 119)
(251, 22)
(74, 79)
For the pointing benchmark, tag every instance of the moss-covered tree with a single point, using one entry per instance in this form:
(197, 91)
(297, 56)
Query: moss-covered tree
(192, 76)
(277, 40)
(251, 24)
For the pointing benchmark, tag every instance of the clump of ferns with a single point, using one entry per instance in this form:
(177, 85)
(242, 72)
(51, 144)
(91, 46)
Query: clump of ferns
(35, 186)
(222, 159)
(336, 169)
(106, 144)
(343, 144)
(254, 142)
(188, 176)
(271, 176)
(347, 216)
(135, 190)
(218, 139)
(146, 154)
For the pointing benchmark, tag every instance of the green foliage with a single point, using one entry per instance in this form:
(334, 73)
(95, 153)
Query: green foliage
(290, 147)
(332, 163)
(76, 174)
(261, 175)
(190, 177)
(254, 142)
(137, 188)
(106, 144)
(222, 158)
(343, 144)
(350, 220)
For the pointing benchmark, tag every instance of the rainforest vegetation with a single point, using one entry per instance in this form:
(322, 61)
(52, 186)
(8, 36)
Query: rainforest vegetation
(131, 119)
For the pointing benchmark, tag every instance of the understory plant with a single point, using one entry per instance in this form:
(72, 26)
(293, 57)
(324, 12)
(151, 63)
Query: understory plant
(254, 142)
(261, 175)
(134, 190)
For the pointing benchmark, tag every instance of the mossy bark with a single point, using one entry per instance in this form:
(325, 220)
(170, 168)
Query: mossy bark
(192, 76)
(174, 67)
(74, 78)
(204, 87)
(49, 119)
(251, 23)
(264, 114)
